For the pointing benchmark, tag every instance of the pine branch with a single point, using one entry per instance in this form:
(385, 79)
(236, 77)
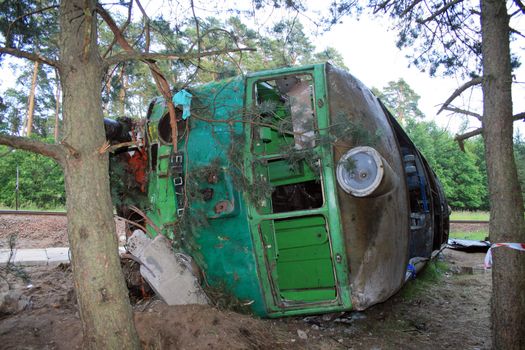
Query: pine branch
(147, 25)
(197, 31)
(40, 10)
(479, 131)
(121, 29)
(520, 5)
(141, 56)
(467, 135)
(409, 8)
(160, 81)
(459, 91)
(384, 6)
(517, 32)
(438, 12)
(463, 111)
(30, 56)
(53, 151)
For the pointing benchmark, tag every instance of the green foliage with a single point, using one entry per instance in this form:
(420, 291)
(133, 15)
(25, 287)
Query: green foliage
(458, 172)
(462, 174)
(519, 157)
(470, 215)
(479, 235)
(400, 99)
(21, 31)
(444, 38)
(431, 274)
(351, 133)
(41, 182)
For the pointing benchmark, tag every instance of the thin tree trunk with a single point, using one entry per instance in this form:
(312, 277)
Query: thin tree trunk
(31, 101)
(122, 92)
(57, 107)
(506, 212)
(107, 319)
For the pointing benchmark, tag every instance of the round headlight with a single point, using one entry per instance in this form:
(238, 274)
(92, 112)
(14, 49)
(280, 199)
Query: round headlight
(360, 171)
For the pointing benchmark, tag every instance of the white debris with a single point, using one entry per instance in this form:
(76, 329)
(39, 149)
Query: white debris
(168, 274)
(302, 334)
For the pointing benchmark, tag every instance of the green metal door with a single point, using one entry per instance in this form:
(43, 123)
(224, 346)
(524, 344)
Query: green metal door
(294, 215)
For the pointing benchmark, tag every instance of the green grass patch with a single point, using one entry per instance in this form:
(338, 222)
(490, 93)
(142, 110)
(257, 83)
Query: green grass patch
(432, 274)
(470, 215)
(473, 235)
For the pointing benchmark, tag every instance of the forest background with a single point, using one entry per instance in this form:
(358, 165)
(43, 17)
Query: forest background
(129, 88)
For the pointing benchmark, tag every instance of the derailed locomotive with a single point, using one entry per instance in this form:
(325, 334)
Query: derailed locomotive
(294, 190)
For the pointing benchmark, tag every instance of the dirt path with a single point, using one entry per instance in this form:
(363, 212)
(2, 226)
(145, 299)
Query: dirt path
(450, 311)
(42, 231)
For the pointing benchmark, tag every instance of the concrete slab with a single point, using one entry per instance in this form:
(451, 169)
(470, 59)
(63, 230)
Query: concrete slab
(57, 255)
(45, 256)
(30, 257)
(4, 256)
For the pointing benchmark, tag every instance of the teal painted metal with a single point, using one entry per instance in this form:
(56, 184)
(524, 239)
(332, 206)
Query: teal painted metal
(222, 245)
(228, 246)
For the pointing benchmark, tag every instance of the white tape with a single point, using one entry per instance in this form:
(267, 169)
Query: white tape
(488, 258)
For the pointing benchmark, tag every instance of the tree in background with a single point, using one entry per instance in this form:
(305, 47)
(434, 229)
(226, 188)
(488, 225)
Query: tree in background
(456, 169)
(402, 101)
(446, 37)
(41, 182)
(128, 87)
(519, 155)
(283, 44)
(461, 177)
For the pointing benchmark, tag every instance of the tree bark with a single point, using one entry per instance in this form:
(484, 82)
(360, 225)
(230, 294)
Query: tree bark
(57, 107)
(107, 319)
(506, 212)
(31, 101)
(122, 92)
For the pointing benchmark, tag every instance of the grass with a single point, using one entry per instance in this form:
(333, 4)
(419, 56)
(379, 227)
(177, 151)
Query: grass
(479, 235)
(429, 276)
(470, 215)
(476, 235)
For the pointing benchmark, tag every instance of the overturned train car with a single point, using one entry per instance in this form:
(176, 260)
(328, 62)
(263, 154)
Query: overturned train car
(293, 190)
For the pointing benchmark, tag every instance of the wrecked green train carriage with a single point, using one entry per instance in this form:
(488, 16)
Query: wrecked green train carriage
(294, 190)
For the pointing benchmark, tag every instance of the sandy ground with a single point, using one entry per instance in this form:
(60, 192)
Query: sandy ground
(41, 231)
(452, 313)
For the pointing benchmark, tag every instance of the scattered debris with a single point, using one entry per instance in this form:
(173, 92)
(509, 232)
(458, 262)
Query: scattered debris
(13, 301)
(170, 275)
(302, 334)
(469, 246)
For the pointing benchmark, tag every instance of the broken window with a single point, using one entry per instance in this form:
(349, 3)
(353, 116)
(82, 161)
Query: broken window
(286, 114)
(284, 137)
(164, 127)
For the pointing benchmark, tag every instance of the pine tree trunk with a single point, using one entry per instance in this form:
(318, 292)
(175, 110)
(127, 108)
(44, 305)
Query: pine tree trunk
(122, 92)
(506, 212)
(31, 101)
(106, 314)
(57, 107)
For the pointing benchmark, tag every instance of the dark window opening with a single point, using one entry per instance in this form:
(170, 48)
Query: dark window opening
(165, 127)
(299, 196)
(154, 150)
